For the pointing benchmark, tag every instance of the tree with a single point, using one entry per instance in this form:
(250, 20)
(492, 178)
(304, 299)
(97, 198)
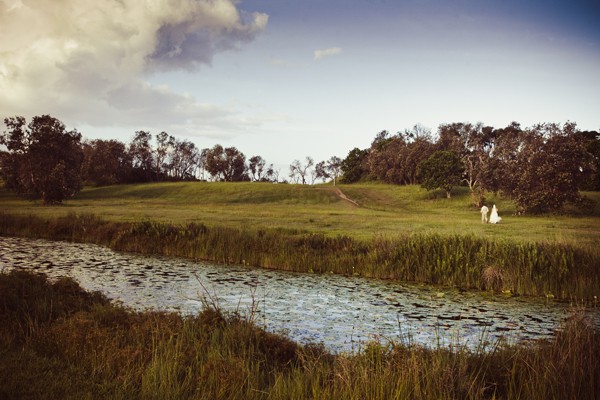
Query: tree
(385, 158)
(354, 167)
(502, 162)
(394, 159)
(442, 170)
(259, 171)
(421, 148)
(299, 172)
(142, 157)
(256, 166)
(553, 163)
(184, 160)
(321, 172)
(43, 159)
(105, 162)
(329, 169)
(473, 144)
(227, 164)
(164, 143)
(418, 132)
(202, 160)
(592, 145)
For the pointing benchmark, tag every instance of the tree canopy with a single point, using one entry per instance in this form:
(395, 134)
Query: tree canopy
(226, 164)
(43, 160)
(443, 170)
(541, 168)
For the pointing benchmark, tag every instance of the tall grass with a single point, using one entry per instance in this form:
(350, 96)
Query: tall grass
(464, 261)
(57, 341)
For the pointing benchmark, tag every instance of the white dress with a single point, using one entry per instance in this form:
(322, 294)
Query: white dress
(494, 218)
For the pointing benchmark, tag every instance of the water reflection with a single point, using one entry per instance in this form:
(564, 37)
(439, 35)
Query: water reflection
(342, 312)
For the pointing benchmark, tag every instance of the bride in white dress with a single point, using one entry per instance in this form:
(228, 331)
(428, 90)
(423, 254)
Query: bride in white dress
(494, 218)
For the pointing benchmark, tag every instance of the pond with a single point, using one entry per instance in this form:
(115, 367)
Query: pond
(341, 312)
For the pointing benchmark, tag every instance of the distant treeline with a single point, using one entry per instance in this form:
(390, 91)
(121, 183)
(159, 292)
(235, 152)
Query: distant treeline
(541, 168)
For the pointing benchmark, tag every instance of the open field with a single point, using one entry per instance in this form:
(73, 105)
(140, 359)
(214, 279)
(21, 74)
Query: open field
(383, 210)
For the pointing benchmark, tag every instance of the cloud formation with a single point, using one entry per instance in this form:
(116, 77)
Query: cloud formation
(86, 61)
(322, 53)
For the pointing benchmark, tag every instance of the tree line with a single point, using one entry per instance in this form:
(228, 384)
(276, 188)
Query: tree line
(42, 159)
(541, 168)
(165, 158)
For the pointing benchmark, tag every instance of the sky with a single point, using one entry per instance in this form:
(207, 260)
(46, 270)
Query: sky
(287, 79)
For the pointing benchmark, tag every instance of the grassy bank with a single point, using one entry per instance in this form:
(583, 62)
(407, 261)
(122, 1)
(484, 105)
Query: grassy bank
(399, 233)
(57, 341)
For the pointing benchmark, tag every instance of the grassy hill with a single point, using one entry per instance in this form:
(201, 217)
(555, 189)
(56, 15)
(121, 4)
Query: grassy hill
(386, 210)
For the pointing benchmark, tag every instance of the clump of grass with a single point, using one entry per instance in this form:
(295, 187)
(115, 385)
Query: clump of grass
(90, 348)
(492, 278)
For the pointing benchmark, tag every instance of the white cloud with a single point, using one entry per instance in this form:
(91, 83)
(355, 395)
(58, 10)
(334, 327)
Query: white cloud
(322, 53)
(86, 61)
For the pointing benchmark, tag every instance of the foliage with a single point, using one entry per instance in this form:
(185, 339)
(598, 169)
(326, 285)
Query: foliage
(329, 169)
(259, 171)
(473, 144)
(106, 162)
(43, 158)
(391, 158)
(226, 164)
(541, 168)
(299, 172)
(354, 167)
(496, 160)
(592, 145)
(141, 153)
(183, 161)
(442, 170)
(164, 143)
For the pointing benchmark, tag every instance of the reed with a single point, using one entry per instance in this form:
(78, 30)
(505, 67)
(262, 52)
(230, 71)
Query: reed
(558, 270)
(89, 348)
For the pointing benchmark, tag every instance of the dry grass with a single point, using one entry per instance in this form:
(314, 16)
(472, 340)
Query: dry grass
(57, 341)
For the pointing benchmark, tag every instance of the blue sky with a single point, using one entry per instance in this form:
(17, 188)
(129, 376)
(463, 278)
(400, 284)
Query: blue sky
(288, 79)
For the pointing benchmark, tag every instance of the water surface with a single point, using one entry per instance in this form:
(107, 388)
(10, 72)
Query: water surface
(341, 312)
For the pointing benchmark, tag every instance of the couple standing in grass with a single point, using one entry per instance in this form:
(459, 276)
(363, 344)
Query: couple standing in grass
(494, 217)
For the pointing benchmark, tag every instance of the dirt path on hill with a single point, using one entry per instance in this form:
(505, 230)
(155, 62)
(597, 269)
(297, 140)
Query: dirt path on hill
(342, 196)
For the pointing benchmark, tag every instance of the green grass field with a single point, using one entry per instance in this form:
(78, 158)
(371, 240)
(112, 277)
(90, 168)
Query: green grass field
(386, 210)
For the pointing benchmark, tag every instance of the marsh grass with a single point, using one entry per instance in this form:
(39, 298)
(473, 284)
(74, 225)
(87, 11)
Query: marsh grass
(560, 270)
(58, 341)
